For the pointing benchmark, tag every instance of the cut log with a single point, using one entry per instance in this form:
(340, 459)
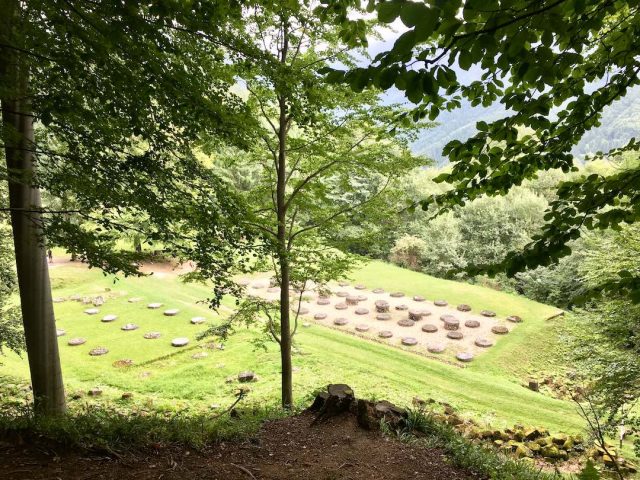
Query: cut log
(339, 400)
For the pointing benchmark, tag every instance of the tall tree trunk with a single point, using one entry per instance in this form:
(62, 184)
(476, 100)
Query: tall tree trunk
(24, 201)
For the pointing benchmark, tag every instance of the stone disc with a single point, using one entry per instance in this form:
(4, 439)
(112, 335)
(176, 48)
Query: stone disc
(454, 335)
(429, 328)
(463, 307)
(464, 356)
(343, 284)
(60, 332)
(405, 322)
(514, 318)
(500, 330)
(472, 323)
(385, 334)
(440, 303)
(396, 294)
(352, 300)
(342, 294)
(362, 298)
(362, 311)
(95, 352)
(446, 317)
(360, 287)
(362, 327)
(320, 316)
(483, 342)
(418, 298)
(76, 341)
(58, 300)
(129, 327)
(154, 306)
(134, 300)
(152, 335)
(341, 306)
(402, 307)
(415, 315)
(426, 313)
(323, 301)
(451, 324)
(91, 311)
(409, 341)
(435, 347)
(301, 310)
(340, 321)
(487, 313)
(243, 282)
(172, 312)
(197, 320)
(179, 342)
(377, 290)
(383, 317)
(109, 318)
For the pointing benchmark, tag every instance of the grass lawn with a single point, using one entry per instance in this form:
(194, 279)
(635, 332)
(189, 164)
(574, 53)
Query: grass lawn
(489, 389)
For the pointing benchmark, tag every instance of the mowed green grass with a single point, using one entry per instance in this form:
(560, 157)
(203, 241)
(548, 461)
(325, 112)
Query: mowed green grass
(490, 389)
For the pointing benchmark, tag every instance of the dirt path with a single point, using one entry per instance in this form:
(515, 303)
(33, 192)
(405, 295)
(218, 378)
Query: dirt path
(284, 449)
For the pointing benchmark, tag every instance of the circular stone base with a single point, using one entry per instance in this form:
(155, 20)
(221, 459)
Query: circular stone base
(154, 306)
(409, 341)
(451, 324)
(464, 356)
(440, 303)
(340, 321)
(172, 312)
(385, 334)
(464, 307)
(429, 328)
(91, 311)
(134, 300)
(179, 342)
(60, 332)
(320, 316)
(435, 348)
(152, 335)
(514, 318)
(109, 318)
(343, 284)
(96, 352)
(342, 294)
(362, 311)
(73, 342)
(446, 317)
(323, 301)
(383, 317)
(129, 327)
(426, 313)
(377, 290)
(362, 298)
(382, 306)
(362, 327)
(301, 311)
(483, 342)
(360, 287)
(341, 306)
(418, 298)
(455, 335)
(472, 323)
(415, 315)
(197, 320)
(396, 294)
(352, 300)
(487, 313)
(405, 322)
(500, 330)
(402, 307)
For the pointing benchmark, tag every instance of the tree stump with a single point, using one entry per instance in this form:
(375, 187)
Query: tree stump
(385, 334)
(451, 323)
(339, 400)
(340, 321)
(500, 330)
(402, 307)
(320, 316)
(415, 315)
(488, 313)
(247, 376)
(435, 348)
(352, 300)
(396, 294)
(382, 306)
(534, 386)
(483, 343)
(454, 335)
(514, 319)
(405, 322)
(383, 317)
(370, 414)
(464, 307)
(472, 323)
(362, 327)
(409, 341)
(440, 303)
(323, 301)
(429, 328)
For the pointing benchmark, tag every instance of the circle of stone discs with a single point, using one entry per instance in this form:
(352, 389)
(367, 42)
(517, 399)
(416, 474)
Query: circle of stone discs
(76, 341)
(360, 287)
(383, 316)
(172, 312)
(415, 315)
(405, 322)
(91, 311)
(152, 335)
(514, 318)
(179, 342)
(472, 323)
(320, 316)
(385, 334)
(396, 294)
(429, 328)
(451, 323)
(440, 303)
(352, 300)
(109, 318)
(125, 362)
(409, 341)
(362, 298)
(377, 290)
(197, 320)
(340, 321)
(464, 356)
(134, 299)
(402, 307)
(487, 313)
(342, 294)
(154, 306)
(343, 284)
(323, 301)
(362, 327)
(199, 355)
(483, 342)
(500, 330)
(341, 306)
(96, 352)
(455, 335)
(362, 311)
(60, 332)
(418, 298)
(273, 289)
(435, 348)
(464, 307)
(129, 326)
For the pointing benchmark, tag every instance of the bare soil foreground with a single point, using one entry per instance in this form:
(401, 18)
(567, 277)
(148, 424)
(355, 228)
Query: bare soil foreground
(290, 448)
